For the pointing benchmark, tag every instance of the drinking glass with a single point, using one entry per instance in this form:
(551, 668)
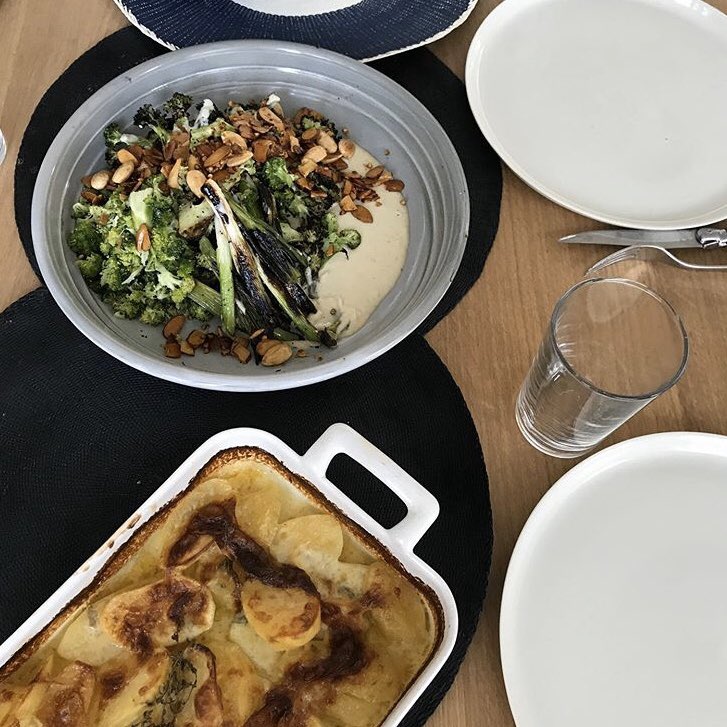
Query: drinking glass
(3, 148)
(613, 346)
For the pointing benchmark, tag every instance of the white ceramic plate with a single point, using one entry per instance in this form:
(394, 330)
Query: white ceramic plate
(614, 612)
(613, 108)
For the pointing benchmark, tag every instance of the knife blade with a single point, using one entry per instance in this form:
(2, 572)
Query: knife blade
(704, 237)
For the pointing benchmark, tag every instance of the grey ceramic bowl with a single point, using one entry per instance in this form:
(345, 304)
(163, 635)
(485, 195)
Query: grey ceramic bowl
(379, 115)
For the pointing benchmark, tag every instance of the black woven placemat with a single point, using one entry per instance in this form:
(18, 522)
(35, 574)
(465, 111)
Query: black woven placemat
(419, 71)
(85, 439)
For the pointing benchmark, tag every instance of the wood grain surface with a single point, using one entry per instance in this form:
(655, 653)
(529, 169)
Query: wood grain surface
(487, 342)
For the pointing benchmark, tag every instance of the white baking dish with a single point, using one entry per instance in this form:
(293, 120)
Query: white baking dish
(422, 511)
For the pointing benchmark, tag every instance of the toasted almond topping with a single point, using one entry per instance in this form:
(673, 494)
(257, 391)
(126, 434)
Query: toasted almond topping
(165, 168)
(310, 134)
(332, 158)
(265, 345)
(339, 164)
(347, 187)
(306, 167)
(173, 178)
(385, 176)
(362, 214)
(394, 185)
(172, 349)
(295, 146)
(100, 179)
(173, 326)
(240, 349)
(196, 338)
(269, 116)
(86, 181)
(186, 348)
(143, 241)
(374, 172)
(195, 180)
(316, 154)
(91, 197)
(303, 182)
(245, 130)
(192, 162)
(330, 251)
(318, 194)
(124, 155)
(122, 173)
(257, 333)
(232, 137)
(237, 160)
(261, 149)
(327, 142)
(217, 156)
(347, 204)
(347, 148)
(277, 354)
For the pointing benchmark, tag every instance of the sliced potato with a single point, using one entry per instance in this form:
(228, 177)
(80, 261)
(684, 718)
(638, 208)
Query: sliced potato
(68, 697)
(130, 688)
(203, 708)
(354, 712)
(311, 542)
(284, 617)
(84, 640)
(10, 698)
(243, 690)
(169, 611)
(260, 652)
(258, 509)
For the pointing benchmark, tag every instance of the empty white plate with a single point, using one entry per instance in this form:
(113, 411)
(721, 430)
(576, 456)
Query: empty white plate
(613, 108)
(615, 604)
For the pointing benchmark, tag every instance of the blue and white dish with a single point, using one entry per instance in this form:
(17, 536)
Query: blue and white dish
(362, 29)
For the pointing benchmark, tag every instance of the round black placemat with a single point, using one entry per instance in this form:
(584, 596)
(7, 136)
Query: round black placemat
(85, 439)
(420, 72)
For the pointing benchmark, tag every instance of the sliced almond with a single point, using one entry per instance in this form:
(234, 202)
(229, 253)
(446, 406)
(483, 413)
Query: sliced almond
(318, 194)
(245, 131)
(143, 240)
(91, 197)
(233, 138)
(100, 179)
(165, 168)
(347, 204)
(186, 348)
(295, 146)
(195, 180)
(316, 154)
(347, 148)
(217, 156)
(339, 164)
(237, 160)
(374, 172)
(196, 338)
(86, 181)
(122, 173)
(174, 325)
(362, 214)
(306, 167)
(330, 251)
(332, 158)
(192, 162)
(270, 117)
(124, 155)
(385, 176)
(261, 149)
(347, 187)
(277, 354)
(394, 185)
(172, 349)
(264, 346)
(173, 178)
(327, 142)
(241, 351)
(310, 134)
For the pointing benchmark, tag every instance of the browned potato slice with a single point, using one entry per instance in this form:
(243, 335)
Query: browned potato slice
(243, 690)
(84, 639)
(312, 542)
(67, 700)
(258, 509)
(203, 708)
(130, 688)
(10, 698)
(285, 618)
(354, 712)
(166, 612)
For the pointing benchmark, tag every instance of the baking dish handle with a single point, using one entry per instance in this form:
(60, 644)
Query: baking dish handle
(422, 507)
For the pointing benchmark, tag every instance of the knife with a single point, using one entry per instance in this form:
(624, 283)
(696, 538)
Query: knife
(708, 238)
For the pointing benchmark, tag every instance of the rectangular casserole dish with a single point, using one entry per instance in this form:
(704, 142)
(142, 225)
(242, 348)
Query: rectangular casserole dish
(399, 541)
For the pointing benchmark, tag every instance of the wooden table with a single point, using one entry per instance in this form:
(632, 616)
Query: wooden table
(487, 342)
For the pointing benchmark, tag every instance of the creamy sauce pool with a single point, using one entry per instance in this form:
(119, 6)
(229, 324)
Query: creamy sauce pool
(349, 289)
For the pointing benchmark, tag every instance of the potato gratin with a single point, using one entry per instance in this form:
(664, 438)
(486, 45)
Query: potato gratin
(248, 601)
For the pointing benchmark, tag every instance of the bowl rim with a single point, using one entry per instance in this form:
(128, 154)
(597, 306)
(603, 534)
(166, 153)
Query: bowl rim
(96, 331)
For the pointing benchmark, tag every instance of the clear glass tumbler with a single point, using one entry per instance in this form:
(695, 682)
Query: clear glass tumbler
(612, 347)
(3, 148)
